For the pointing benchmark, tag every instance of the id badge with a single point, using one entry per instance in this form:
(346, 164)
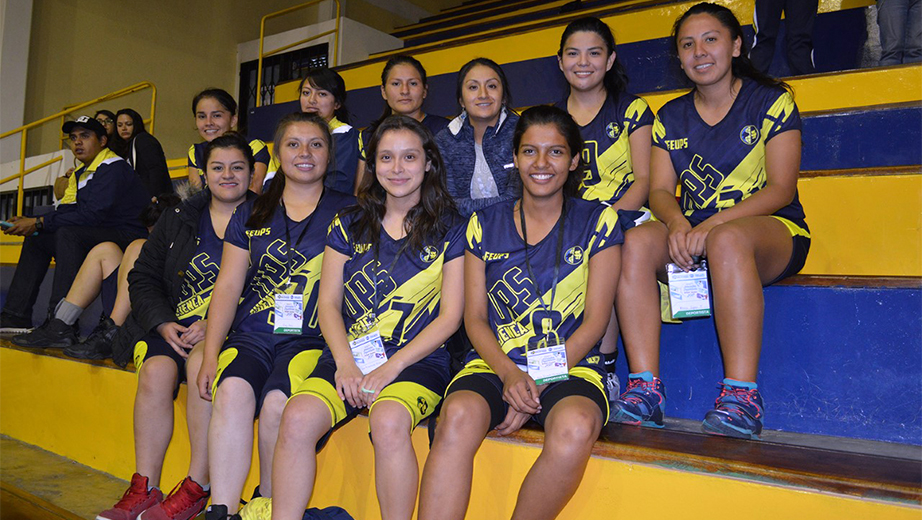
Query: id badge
(368, 352)
(688, 292)
(289, 313)
(548, 362)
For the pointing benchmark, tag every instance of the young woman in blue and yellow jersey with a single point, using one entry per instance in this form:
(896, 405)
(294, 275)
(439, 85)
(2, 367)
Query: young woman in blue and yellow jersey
(188, 240)
(323, 92)
(263, 315)
(616, 127)
(733, 145)
(391, 294)
(540, 277)
(215, 113)
(404, 87)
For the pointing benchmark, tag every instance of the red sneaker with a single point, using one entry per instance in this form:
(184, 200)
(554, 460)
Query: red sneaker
(186, 501)
(134, 502)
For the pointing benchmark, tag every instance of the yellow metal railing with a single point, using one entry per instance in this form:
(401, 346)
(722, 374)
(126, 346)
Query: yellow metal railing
(23, 131)
(262, 36)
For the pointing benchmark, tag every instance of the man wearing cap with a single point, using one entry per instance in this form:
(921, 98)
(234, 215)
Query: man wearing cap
(109, 199)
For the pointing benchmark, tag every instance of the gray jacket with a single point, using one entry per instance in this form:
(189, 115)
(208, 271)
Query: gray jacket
(456, 143)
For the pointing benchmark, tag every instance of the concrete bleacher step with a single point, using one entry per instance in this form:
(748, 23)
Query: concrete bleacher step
(39, 485)
(433, 27)
(83, 412)
(645, 26)
(460, 14)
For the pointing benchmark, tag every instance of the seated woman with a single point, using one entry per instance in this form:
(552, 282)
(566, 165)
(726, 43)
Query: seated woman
(405, 242)
(476, 145)
(172, 309)
(103, 274)
(734, 144)
(616, 128)
(404, 88)
(215, 113)
(107, 119)
(540, 275)
(263, 318)
(143, 152)
(323, 92)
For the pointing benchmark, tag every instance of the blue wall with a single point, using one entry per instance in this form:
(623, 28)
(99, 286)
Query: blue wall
(835, 361)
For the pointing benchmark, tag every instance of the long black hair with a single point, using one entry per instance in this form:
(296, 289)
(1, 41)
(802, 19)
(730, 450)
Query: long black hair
(151, 214)
(740, 66)
(136, 120)
(137, 128)
(486, 62)
(427, 221)
(400, 59)
(266, 204)
(329, 80)
(567, 127)
(616, 79)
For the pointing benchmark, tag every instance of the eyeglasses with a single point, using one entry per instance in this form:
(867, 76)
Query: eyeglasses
(105, 121)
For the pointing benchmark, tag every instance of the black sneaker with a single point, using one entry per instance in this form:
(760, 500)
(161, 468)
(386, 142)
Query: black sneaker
(98, 345)
(219, 512)
(14, 324)
(53, 333)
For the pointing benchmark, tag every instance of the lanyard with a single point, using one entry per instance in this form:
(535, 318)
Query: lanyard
(376, 299)
(531, 273)
(288, 256)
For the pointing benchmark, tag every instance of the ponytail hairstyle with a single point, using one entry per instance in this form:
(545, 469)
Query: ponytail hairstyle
(220, 95)
(329, 80)
(426, 223)
(741, 66)
(400, 59)
(265, 205)
(616, 79)
(567, 127)
(151, 214)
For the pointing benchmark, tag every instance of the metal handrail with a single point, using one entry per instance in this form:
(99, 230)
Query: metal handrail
(24, 129)
(262, 36)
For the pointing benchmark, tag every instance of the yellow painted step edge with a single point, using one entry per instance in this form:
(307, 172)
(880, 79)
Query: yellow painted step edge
(84, 413)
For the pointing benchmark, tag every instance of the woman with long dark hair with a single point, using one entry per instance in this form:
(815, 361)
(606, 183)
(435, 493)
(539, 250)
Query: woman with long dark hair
(733, 143)
(323, 92)
(171, 311)
(540, 275)
(616, 127)
(390, 296)
(142, 151)
(263, 315)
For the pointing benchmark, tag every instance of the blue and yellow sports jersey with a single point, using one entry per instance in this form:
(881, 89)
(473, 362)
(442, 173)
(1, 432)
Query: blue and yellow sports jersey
(409, 286)
(515, 312)
(196, 157)
(200, 275)
(268, 250)
(343, 165)
(607, 148)
(720, 165)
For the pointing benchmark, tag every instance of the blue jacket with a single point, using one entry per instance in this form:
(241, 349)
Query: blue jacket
(456, 143)
(109, 195)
